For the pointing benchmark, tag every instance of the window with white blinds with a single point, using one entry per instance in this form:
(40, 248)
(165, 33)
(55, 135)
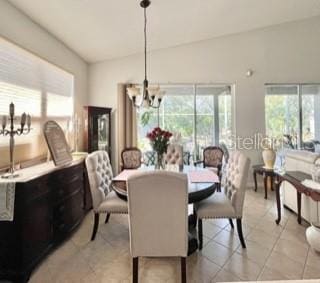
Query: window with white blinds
(35, 87)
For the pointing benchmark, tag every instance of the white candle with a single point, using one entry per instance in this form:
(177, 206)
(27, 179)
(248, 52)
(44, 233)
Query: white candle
(11, 109)
(23, 119)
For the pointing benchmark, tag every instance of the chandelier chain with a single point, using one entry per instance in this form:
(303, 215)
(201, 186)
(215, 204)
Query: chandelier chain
(145, 43)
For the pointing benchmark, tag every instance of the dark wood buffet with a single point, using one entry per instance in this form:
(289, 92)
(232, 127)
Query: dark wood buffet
(47, 208)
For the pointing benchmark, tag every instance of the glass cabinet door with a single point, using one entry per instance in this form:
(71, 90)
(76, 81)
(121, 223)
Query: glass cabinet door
(98, 137)
(103, 132)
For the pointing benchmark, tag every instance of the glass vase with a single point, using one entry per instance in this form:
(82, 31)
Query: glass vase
(159, 164)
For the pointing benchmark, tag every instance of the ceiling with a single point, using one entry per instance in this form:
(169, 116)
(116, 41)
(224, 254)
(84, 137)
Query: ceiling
(103, 29)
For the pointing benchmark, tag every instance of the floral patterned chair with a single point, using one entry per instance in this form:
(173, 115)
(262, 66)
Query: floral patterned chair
(131, 158)
(213, 158)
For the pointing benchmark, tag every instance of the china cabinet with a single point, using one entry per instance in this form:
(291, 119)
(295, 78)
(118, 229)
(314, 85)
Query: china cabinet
(97, 128)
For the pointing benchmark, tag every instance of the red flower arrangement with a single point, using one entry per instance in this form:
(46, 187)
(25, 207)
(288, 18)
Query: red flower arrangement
(159, 140)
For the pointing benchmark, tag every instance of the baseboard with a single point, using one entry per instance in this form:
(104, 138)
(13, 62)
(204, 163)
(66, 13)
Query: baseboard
(293, 212)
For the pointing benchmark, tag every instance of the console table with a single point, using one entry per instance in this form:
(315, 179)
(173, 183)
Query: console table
(294, 178)
(49, 204)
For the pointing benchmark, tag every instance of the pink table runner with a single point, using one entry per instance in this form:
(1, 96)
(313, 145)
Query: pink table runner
(195, 176)
(203, 176)
(125, 174)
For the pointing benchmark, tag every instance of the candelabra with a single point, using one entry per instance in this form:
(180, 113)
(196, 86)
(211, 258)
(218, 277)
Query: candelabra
(23, 129)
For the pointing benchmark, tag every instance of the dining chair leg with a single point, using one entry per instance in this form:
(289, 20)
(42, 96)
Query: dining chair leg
(231, 223)
(183, 270)
(95, 226)
(239, 228)
(200, 235)
(107, 218)
(218, 187)
(135, 268)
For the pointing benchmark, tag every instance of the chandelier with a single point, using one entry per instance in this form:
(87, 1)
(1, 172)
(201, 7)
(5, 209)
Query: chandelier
(151, 96)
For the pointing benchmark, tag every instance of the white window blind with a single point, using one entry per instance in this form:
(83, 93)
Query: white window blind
(35, 87)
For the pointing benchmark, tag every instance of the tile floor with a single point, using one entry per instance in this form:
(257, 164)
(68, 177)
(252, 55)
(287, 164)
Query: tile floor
(273, 252)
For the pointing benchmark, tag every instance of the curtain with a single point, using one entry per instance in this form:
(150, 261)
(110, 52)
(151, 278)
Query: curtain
(127, 122)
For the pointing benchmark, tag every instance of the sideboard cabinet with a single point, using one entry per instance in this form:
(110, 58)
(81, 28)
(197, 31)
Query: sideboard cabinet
(47, 209)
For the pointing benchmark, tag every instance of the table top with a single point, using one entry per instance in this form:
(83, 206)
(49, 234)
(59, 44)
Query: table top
(197, 191)
(261, 167)
(296, 178)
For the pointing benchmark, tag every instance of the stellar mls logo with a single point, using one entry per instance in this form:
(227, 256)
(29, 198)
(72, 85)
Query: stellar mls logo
(256, 142)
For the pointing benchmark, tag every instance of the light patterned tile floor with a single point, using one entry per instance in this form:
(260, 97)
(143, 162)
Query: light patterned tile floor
(273, 252)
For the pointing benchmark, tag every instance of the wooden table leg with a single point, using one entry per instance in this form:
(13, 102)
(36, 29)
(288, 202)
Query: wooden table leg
(272, 183)
(255, 180)
(299, 206)
(265, 180)
(278, 201)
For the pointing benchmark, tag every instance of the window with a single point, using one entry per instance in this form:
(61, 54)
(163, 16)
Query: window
(202, 114)
(293, 111)
(310, 105)
(35, 87)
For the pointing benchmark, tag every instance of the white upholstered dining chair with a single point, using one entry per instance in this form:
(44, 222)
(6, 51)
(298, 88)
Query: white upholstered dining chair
(230, 204)
(174, 154)
(158, 217)
(104, 200)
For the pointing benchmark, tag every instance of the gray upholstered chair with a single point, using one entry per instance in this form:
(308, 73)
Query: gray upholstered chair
(174, 154)
(103, 198)
(158, 217)
(230, 204)
(131, 158)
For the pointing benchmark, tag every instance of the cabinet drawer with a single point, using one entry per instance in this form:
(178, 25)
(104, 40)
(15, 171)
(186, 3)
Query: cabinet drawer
(71, 186)
(63, 176)
(33, 189)
(68, 214)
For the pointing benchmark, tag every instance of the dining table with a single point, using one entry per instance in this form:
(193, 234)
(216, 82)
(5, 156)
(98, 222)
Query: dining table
(202, 183)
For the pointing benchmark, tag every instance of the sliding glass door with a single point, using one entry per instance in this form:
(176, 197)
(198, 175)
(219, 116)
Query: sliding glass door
(201, 114)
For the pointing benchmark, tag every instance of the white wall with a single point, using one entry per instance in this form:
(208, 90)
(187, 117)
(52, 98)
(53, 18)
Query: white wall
(280, 54)
(21, 30)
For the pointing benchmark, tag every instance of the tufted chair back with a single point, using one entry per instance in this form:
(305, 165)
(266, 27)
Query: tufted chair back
(174, 154)
(225, 150)
(236, 180)
(131, 158)
(212, 156)
(158, 214)
(100, 176)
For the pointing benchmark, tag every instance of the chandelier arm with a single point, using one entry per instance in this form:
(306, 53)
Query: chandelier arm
(155, 106)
